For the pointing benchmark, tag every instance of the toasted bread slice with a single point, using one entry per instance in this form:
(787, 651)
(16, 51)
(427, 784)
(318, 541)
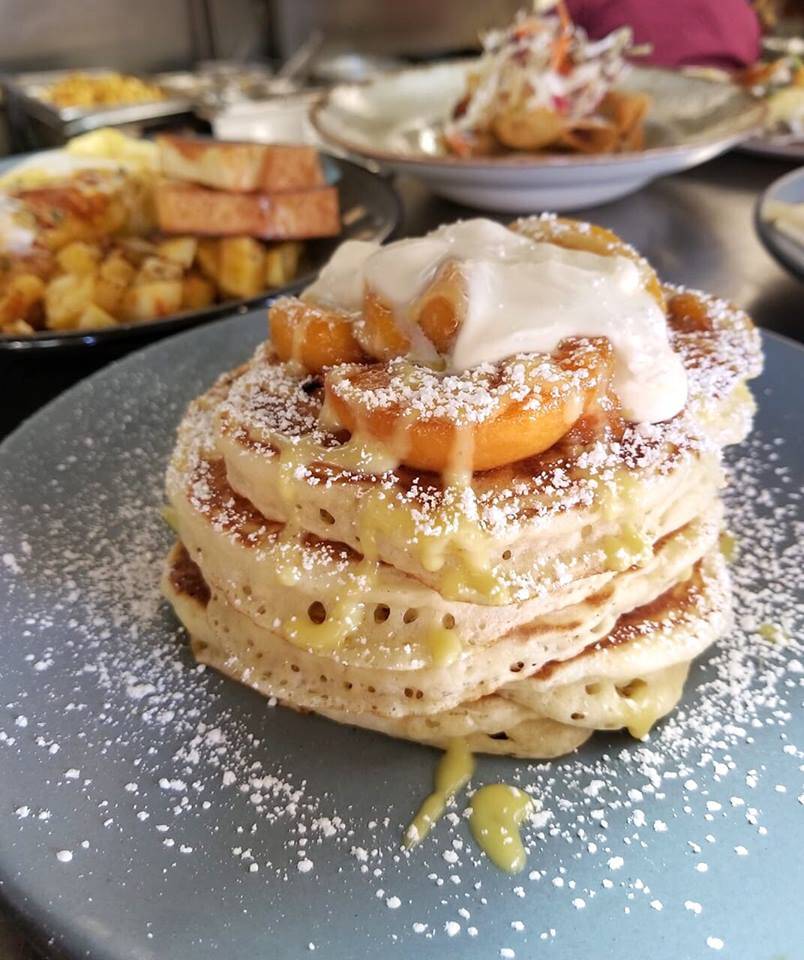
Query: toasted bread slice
(292, 215)
(240, 167)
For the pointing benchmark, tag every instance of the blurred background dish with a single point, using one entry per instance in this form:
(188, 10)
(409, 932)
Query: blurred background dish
(271, 120)
(48, 108)
(35, 368)
(778, 81)
(779, 220)
(397, 119)
(369, 211)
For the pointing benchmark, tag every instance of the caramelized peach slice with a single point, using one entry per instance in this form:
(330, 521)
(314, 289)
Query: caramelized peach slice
(314, 336)
(441, 307)
(686, 312)
(379, 333)
(436, 314)
(476, 420)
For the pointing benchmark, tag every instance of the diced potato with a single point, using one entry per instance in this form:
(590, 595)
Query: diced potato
(291, 252)
(79, 258)
(94, 317)
(242, 267)
(156, 269)
(197, 292)
(107, 216)
(18, 328)
(282, 263)
(66, 297)
(136, 249)
(116, 269)
(109, 295)
(149, 300)
(113, 277)
(20, 294)
(179, 250)
(274, 268)
(208, 258)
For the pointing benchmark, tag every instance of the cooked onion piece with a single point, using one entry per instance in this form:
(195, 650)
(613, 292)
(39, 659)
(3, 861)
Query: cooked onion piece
(531, 128)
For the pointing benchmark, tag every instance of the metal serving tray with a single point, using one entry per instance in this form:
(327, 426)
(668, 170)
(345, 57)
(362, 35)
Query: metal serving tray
(25, 91)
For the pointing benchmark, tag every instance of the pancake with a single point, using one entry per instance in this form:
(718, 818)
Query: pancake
(607, 685)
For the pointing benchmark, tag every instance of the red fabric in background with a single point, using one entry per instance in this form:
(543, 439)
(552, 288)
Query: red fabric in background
(717, 33)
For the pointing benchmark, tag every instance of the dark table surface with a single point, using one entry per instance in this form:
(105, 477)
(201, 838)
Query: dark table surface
(696, 228)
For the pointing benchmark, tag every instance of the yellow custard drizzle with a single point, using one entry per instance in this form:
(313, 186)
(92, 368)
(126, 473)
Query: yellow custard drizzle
(629, 546)
(444, 646)
(453, 772)
(498, 811)
(772, 632)
(169, 516)
(640, 709)
(728, 545)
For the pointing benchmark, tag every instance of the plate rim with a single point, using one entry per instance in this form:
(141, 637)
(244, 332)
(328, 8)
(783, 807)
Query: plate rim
(521, 160)
(47, 341)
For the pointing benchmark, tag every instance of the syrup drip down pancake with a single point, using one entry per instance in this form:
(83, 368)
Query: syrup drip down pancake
(469, 488)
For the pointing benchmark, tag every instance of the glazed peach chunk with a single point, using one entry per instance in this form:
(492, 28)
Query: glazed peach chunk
(483, 418)
(314, 336)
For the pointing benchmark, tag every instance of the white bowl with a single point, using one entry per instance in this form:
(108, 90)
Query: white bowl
(278, 120)
(396, 119)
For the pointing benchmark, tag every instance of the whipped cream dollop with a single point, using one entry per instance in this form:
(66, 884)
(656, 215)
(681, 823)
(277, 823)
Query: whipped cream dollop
(523, 296)
(340, 283)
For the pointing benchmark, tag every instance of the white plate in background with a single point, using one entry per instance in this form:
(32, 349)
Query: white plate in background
(396, 120)
(783, 248)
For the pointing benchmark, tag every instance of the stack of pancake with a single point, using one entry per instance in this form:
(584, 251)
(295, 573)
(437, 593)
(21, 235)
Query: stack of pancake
(519, 608)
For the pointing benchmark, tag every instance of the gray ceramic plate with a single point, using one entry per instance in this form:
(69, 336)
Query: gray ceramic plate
(396, 119)
(151, 810)
(786, 251)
